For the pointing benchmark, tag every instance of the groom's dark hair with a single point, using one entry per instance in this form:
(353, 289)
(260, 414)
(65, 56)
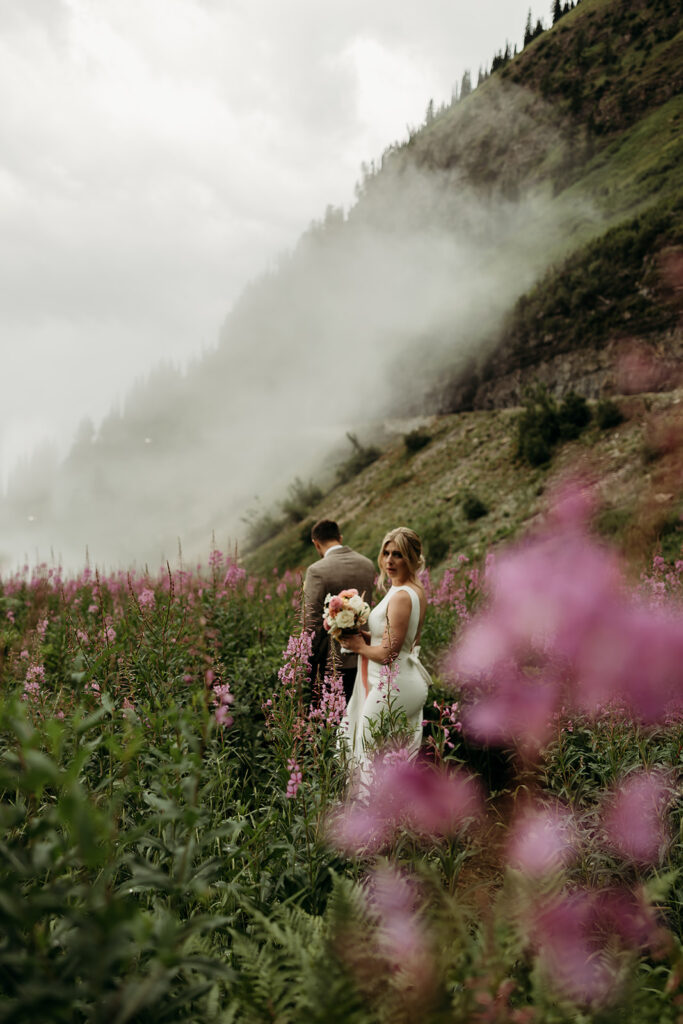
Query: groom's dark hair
(325, 530)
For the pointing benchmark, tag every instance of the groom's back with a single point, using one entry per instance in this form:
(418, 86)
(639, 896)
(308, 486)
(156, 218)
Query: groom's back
(345, 569)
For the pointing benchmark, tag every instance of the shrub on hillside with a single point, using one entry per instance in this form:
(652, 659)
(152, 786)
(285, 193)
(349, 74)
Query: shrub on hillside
(300, 498)
(537, 427)
(416, 440)
(608, 414)
(436, 532)
(261, 528)
(543, 424)
(361, 456)
(473, 507)
(573, 416)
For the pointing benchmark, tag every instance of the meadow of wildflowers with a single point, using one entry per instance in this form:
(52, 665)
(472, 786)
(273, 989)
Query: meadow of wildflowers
(175, 799)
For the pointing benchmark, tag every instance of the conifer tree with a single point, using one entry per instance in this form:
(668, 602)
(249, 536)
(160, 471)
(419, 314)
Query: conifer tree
(528, 30)
(465, 85)
(556, 11)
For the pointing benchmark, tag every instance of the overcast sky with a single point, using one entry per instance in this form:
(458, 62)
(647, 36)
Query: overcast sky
(155, 155)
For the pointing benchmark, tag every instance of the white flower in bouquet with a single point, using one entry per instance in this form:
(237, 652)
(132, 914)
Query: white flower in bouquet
(345, 619)
(346, 610)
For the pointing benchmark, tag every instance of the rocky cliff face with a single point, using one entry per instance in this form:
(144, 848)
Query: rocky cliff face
(583, 325)
(592, 372)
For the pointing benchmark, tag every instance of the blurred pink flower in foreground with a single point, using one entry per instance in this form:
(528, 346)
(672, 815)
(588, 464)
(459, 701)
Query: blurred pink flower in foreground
(542, 839)
(561, 629)
(634, 823)
(405, 794)
(579, 936)
(639, 369)
(401, 936)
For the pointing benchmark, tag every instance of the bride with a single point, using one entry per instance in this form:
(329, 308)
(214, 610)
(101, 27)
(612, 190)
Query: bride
(390, 675)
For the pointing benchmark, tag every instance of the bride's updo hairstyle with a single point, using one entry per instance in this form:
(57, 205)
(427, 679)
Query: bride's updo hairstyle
(410, 546)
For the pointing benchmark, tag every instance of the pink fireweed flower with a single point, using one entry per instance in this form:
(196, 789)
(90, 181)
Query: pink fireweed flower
(147, 598)
(295, 778)
(332, 705)
(560, 628)
(215, 559)
(639, 370)
(34, 681)
(387, 678)
(403, 793)
(634, 822)
(223, 716)
(297, 661)
(108, 633)
(542, 840)
(222, 700)
(514, 708)
(577, 936)
(401, 936)
(235, 575)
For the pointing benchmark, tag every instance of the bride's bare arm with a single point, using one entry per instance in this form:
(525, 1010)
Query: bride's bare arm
(398, 618)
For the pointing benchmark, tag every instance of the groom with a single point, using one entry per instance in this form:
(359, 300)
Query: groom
(339, 568)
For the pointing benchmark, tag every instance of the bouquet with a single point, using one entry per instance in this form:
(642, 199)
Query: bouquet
(344, 613)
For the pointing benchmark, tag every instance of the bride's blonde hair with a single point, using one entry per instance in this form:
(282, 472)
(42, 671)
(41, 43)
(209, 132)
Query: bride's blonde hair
(410, 546)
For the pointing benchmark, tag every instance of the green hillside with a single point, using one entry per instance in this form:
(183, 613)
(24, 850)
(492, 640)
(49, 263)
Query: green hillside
(589, 118)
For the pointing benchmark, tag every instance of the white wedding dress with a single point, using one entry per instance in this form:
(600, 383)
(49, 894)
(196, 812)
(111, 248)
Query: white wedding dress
(407, 690)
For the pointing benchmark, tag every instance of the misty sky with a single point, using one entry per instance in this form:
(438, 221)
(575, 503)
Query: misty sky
(157, 154)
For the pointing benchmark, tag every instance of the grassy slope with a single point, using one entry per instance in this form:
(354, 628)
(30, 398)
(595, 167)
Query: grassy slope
(474, 451)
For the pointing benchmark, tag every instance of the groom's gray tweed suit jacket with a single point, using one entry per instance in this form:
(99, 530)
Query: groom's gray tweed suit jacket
(341, 569)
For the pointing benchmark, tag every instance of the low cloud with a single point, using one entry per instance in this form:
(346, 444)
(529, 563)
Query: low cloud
(355, 325)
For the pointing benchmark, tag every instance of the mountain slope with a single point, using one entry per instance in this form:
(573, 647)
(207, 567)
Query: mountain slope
(407, 303)
(471, 455)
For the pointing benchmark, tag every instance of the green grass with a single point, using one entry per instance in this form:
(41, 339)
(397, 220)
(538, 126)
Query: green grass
(640, 167)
